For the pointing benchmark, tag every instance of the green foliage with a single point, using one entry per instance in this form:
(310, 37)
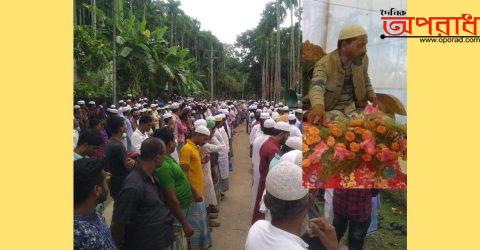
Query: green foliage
(92, 52)
(90, 91)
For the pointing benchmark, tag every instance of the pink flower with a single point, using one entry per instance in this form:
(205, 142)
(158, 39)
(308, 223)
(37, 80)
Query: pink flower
(368, 146)
(316, 156)
(388, 155)
(342, 153)
(371, 109)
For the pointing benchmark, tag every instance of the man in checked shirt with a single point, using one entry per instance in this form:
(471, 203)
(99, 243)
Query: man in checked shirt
(352, 208)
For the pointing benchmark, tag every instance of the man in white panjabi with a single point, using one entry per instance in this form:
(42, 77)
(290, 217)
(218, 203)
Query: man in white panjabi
(288, 202)
(268, 126)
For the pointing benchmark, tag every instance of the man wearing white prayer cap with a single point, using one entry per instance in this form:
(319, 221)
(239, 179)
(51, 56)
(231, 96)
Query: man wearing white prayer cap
(260, 138)
(256, 128)
(344, 73)
(268, 150)
(288, 202)
(200, 122)
(294, 130)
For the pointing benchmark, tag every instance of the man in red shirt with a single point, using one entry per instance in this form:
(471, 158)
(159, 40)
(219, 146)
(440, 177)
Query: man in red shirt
(267, 152)
(352, 208)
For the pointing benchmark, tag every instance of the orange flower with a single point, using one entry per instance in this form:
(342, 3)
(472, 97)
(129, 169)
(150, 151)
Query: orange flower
(369, 124)
(358, 130)
(350, 136)
(379, 121)
(381, 129)
(354, 147)
(395, 146)
(312, 130)
(366, 157)
(330, 141)
(356, 122)
(305, 163)
(304, 148)
(366, 134)
(336, 132)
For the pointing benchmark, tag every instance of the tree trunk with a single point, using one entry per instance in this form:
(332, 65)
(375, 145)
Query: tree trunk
(94, 17)
(292, 50)
(277, 61)
(114, 62)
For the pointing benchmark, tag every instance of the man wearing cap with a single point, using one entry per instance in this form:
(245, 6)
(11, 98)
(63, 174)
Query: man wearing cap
(267, 152)
(191, 163)
(299, 115)
(340, 82)
(294, 130)
(256, 128)
(288, 202)
(223, 159)
(267, 129)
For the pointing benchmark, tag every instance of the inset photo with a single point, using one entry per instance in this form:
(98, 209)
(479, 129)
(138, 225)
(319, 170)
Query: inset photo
(354, 86)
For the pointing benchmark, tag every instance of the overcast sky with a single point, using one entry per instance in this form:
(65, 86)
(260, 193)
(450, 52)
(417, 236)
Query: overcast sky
(226, 18)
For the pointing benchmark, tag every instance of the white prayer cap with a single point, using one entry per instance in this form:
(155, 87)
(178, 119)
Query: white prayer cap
(129, 100)
(114, 111)
(291, 117)
(300, 111)
(202, 130)
(252, 115)
(275, 115)
(218, 118)
(294, 156)
(91, 102)
(167, 107)
(276, 105)
(280, 103)
(264, 116)
(258, 111)
(166, 116)
(350, 31)
(81, 102)
(269, 123)
(284, 182)
(76, 106)
(283, 126)
(143, 110)
(160, 108)
(149, 110)
(224, 111)
(145, 99)
(175, 105)
(200, 122)
(251, 107)
(129, 95)
(121, 101)
(285, 108)
(223, 116)
(294, 142)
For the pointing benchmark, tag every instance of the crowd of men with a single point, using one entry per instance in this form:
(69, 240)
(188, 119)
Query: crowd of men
(165, 165)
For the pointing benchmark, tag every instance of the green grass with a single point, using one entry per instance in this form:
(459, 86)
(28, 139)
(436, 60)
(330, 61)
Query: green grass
(393, 209)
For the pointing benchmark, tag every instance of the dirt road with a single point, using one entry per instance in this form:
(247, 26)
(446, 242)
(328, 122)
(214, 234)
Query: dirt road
(235, 210)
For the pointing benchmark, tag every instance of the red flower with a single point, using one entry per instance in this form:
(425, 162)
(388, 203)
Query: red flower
(342, 153)
(316, 156)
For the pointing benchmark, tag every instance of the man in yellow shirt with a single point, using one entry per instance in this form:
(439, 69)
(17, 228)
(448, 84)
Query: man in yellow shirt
(191, 163)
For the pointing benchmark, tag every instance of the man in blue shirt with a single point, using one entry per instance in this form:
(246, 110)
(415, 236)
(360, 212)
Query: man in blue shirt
(90, 188)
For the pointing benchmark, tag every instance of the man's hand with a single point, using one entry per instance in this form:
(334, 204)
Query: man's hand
(187, 228)
(320, 228)
(317, 115)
